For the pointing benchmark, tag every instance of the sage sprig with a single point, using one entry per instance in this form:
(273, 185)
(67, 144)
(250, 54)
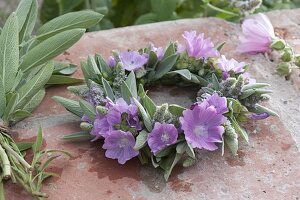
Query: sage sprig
(25, 69)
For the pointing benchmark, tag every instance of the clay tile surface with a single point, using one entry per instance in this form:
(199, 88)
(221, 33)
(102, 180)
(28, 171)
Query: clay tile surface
(266, 168)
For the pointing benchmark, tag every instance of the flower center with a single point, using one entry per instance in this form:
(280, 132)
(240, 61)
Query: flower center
(123, 142)
(201, 130)
(165, 137)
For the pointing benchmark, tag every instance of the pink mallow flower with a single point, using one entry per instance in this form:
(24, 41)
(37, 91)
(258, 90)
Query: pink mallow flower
(119, 145)
(258, 34)
(230, 66)
(197, 46)
(202, 126)
(132, 60)
(162, 136)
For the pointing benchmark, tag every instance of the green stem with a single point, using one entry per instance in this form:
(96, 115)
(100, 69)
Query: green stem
(16, 155)
(221, 10)
(2, 197)
(6, 168)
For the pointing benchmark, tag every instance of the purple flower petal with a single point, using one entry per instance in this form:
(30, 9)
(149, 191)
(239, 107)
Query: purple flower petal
(228, 66)
(161, 136)
(132, 60)
(258, 34)
(119, 145)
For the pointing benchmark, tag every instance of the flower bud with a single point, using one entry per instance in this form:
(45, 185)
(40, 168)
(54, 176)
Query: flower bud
(283, 69)
(297, 60)
(102, 110)
(277, 44)
(86, 126)
(287, 55)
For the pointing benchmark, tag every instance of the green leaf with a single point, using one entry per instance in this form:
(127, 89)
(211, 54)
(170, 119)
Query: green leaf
(23, 146)
(176, 110)
(73, 20)
(27, 12)
(188, 162)
(107, 89)
(125, 92)
(11, 105)
(190, 151)
(170, 50)
(66, 68)
(46, 175)
(141, 140)
(36, 147)
(220, 46)
(199, 80)
(215, 82)
(2, 98)
(166, 151)
(169, 170)
(32, 87)
(93, 67)
(239, 129)
(88, 109)
(165, 66)
(164, 9)
(183, 72)
(63, 80)
(147, 102)
(131, 83)
(146, 118)
(70, 105)
(9, 52)
(35, 101)
(50, 48)
(180, 148)
(254, 86)
(232, 144)
(80, 136)
(262, 109)
(103, 65)
(19, 115)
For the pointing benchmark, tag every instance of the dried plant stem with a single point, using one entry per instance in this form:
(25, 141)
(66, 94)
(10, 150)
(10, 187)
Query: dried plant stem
(6, 167)
(16, 155)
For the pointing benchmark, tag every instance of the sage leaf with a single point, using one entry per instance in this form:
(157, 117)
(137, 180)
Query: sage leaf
(29, 89)
(9, 52)
(73, 20)
(70, 105)
(88, 109)
(169, 170)
(165, 66)
(27, 12)
(261, 109)
(50, 48)
(215, 82)
(80, 136)
(239, 129)
(11, 105)
(131, 83)
(176, 110)
(146, 118)
(35, 101)
(183, 72)
(104, 68)
(20, 115)
(170, 50)
(190, 151)
(62, 79)
(108, 90)
(2, 98)
(147, 102)
(141, 140)
(125, 92)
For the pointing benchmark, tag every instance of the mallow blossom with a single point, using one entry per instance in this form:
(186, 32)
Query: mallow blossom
(230, 66)
(219, 103)
(258, 116)
(197, 46)
(119, 108)
(158, 50)
(119, 145)
(101, 127)
(258, 35)
(161, 136)
(202, 126)
(132, 60)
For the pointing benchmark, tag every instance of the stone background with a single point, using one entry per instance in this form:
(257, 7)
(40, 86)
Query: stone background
(267, 168)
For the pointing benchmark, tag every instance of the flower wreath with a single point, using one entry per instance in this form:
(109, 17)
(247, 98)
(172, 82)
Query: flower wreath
(115, 107)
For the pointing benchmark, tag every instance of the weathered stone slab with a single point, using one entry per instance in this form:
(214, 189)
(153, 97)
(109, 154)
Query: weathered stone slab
(267, 168)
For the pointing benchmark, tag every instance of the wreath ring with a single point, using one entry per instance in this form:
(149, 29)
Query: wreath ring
(115, 107)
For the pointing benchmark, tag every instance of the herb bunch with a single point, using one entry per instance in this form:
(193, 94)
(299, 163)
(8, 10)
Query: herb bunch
(25, 69)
